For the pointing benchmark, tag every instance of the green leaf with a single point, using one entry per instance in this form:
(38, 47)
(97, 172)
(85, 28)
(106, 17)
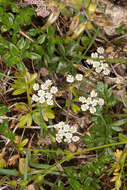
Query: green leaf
(4, 28)
(25, 120)
(19, 91)
(61, 49)
(32, 55)
(5, 131)
(50, 31)
(21, 43)
(13, 49)
(36, 117)
(4, 126)
(41, 39)
(122, 137)
(118, 129)
(21, 67)
(75, 108)
(118, 123)
(74, 184)
(9, 172)
(3, 109)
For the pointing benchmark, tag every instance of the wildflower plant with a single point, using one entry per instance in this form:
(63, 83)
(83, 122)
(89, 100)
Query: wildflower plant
(99, 65)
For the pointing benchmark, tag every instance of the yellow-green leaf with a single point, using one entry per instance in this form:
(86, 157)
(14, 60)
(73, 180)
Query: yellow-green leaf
(21, 107)
(2, 163)
(19, 91)
(24, 142)
(75, 108)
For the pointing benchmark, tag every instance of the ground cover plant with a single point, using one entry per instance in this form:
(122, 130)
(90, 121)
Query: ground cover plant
(63, 99)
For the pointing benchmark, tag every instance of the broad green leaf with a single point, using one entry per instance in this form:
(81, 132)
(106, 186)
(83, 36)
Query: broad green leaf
(21, 43)
(36, 117)
(13, 49)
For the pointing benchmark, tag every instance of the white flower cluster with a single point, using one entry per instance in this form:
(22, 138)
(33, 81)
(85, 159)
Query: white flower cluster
(71, 79)
(91, 102)
(45, 92)
(65, 132)
(100, 66)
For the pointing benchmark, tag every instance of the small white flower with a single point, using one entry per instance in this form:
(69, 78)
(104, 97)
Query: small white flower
(100, 50)
(48, 96)
(89, 61)
(66, 128)
(61, 133)
(61, 124)
(58, 139)
(94, 102)
(41, 99)
(41, 93)
(96, 64)
(101, 101)
(54, 90)
(106, 72)
(70, 78)
(93, 94)
(92, 109)
(98, 69)
(94, 55)
(104, 65)
(89, 100)
(50, 102)
(48, 83)
(73, 129)
(84, 107)
(67, 140)
(75, 138)
(35, 98)
(44, 86)
(82, 99)
(101, 57)
(79, 77)
(36, 86)
(68, 135)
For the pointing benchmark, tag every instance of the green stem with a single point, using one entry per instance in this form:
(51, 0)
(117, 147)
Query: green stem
(70, 155)
(29, 98)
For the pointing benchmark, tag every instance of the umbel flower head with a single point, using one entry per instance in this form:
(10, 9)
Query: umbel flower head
(100, 66)
(45, 92)
(90, 103)
(65, 132)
